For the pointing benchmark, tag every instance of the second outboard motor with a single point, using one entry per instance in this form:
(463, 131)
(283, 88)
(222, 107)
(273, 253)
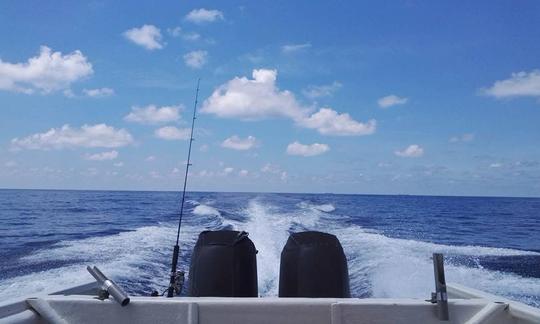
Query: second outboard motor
(313, 265)
(223, 264)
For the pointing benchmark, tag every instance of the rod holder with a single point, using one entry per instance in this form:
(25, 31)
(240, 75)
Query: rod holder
(109, 286)
(440, 296)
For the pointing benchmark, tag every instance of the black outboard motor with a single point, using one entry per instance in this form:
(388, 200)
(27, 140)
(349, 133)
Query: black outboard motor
(313, 265)
(223, 264)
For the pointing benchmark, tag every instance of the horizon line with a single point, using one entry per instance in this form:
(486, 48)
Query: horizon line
(278, 192)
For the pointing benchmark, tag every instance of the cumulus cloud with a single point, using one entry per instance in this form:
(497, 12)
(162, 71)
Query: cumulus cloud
(172, 133)
(48, 72)
(462, 138)
(243, 173)
(328, 122)
(391, 100)
(177, 32)
(413, 150)
(259, 98)
(319, 91)
(296, 148)
(252, 99)
(196, 59)
(99, 135)
(152, 114)
(201, 16)
(241, 144)
(291, 48)
(147, 36)
(98, 93)
(520, 84)
(228, 170)
(103, 156)
(274, 170)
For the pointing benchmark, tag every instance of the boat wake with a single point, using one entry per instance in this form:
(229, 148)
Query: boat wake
(379, 265)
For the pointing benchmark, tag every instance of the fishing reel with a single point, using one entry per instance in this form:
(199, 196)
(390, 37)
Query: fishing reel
(178, 284)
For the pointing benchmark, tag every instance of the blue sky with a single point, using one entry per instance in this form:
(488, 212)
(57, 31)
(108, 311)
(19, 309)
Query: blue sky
(393, 97)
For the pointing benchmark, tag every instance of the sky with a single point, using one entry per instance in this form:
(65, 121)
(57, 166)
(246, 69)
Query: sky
(379, 97)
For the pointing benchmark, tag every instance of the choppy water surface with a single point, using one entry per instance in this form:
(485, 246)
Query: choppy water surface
(48, 237)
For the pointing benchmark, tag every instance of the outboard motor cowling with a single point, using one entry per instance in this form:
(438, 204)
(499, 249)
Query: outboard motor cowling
(223, 264)
(313, 265)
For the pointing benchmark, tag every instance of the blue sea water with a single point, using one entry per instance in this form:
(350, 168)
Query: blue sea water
(47, 237)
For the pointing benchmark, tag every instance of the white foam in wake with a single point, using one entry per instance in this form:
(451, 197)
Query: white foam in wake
(139, 259)
(379, 266)
(386, 267)
(205, 210)
(327, 208)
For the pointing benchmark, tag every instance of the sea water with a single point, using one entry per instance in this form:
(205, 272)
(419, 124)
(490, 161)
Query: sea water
(47, 237)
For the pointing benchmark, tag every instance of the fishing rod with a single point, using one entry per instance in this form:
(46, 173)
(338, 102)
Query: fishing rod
(175, 278)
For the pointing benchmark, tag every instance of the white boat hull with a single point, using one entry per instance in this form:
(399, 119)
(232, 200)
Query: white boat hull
(74, 306)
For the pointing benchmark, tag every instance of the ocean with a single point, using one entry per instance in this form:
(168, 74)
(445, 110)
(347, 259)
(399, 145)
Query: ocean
(47, 237)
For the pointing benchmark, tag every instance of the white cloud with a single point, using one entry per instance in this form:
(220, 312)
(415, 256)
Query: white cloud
(69, 93)
(119, 164)
(275, 171)
(150, 158)
(243, 173)
(90, 172)
(495, 165)
(98, 93)
(236, 143)
(327, 90)
(268, 168)
(413, 150)
(468, 137)
(201, 16)
(329, 122)
(204, 148)
(196, 59)
(391, 100)
(147, 36)
(228, 170)
(520, 84)
(103, 156)
(259, 98)
(99, 135)
(172, 133)
(206, 173)
(291, 48)
(296, 148)
(152, 114)
(252, 99)
(48, 72)
(191, 36)
(10, 164)
(175, 32)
